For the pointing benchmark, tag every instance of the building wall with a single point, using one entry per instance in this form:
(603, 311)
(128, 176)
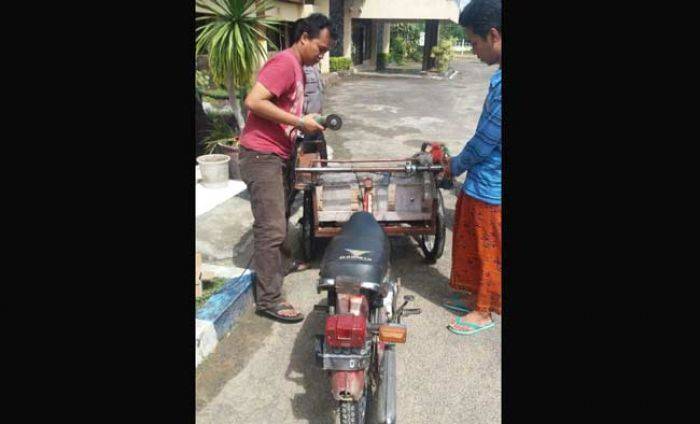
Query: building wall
(319, 6)
(411, 10)
(286, 11)
(291, 12)
(404, 9)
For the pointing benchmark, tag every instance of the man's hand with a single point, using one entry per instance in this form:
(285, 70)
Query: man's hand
(445, 177)
(259, 102)
(446, 162)
(309, 125)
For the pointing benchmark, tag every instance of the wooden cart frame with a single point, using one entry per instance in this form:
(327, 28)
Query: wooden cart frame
(426, 226)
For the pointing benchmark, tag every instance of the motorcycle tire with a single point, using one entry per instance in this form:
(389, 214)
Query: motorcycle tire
(433, 246)
(353, 412)
(308, 241)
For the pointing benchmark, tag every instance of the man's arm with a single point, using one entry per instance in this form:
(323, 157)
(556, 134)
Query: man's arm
(258, 101)
(486, 138)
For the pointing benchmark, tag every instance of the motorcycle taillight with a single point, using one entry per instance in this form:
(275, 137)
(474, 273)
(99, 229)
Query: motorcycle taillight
(346, 331)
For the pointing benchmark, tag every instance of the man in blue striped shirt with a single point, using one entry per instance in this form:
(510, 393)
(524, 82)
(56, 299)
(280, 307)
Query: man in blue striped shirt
(476, 242)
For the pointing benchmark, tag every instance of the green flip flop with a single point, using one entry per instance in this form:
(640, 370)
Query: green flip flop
(455, 303)
(471, 327)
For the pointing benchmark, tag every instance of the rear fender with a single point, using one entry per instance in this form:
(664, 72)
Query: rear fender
(347, 384)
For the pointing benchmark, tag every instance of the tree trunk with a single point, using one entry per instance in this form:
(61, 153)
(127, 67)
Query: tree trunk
(235, 105)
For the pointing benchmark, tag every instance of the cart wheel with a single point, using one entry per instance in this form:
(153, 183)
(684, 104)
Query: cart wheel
(308, 240)
(434, 245)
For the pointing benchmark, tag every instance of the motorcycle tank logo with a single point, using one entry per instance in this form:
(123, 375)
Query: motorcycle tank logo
(356, 255)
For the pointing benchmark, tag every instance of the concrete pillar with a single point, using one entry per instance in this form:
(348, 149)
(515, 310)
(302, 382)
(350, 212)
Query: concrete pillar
(431, 37)
(374, 29)
(336, 11)
(326, 63)
(386, 37)
(347, 34)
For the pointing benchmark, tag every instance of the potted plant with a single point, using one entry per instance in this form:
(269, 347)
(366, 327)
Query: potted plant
(232, 33)
(223, 140)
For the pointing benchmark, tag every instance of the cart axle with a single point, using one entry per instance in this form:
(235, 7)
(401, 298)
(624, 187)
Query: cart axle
(410, 168)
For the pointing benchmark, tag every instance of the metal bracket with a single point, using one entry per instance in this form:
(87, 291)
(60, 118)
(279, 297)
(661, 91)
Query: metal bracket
(340, 362)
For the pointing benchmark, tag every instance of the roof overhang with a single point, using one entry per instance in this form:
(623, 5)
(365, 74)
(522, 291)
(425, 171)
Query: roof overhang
(404, 10)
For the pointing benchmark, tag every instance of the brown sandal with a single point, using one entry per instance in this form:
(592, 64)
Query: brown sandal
(298, 265)
(274, 312)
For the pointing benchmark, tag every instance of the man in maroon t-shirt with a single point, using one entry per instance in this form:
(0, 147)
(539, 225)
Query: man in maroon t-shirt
(274, 117)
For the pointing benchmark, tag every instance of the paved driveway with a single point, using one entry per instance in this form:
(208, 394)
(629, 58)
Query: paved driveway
(264, 372)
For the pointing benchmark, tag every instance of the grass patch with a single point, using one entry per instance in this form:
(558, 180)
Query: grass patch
(209, 287)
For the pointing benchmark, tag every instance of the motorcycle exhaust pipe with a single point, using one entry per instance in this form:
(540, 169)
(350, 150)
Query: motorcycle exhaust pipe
(386, 392)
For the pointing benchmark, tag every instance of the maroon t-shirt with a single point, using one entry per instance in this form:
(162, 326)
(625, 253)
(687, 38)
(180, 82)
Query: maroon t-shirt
(282, 76)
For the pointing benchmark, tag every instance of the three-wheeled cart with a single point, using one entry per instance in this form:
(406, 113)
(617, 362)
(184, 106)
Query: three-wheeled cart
(402, 194)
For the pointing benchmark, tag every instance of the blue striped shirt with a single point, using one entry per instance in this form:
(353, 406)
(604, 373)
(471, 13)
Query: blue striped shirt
(481, 155)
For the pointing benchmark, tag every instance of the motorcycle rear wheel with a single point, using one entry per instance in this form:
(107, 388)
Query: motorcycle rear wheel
(350, 412)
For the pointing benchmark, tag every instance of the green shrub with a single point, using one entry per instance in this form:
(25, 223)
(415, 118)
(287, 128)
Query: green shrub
(340, 63)
(416, 55)
(443, 54)
(202, 80)
(382, 60)
(397, 50)
(408, 35)
(218, 94)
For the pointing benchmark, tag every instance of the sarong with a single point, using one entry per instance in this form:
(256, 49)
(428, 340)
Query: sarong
(476, 252)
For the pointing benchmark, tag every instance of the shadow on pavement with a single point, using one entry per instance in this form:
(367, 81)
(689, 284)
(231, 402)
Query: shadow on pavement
(316, 404)
(449, 218)
(422, 278)
(242, 251)
(230, 357)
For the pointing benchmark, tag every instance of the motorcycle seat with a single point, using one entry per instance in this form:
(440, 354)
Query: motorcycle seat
(360, 251)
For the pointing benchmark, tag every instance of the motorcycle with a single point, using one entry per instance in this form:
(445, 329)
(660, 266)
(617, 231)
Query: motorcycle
(363, 324)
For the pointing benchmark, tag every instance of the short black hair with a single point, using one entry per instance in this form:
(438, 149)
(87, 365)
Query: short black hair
(481, 15)
(312, 25)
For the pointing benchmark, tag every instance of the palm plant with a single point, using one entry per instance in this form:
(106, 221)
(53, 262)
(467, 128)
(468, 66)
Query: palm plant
(232, 31)
(221, 133)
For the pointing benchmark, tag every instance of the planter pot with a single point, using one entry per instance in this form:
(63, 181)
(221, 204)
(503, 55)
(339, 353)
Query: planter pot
(214, 169)
(234, 171)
